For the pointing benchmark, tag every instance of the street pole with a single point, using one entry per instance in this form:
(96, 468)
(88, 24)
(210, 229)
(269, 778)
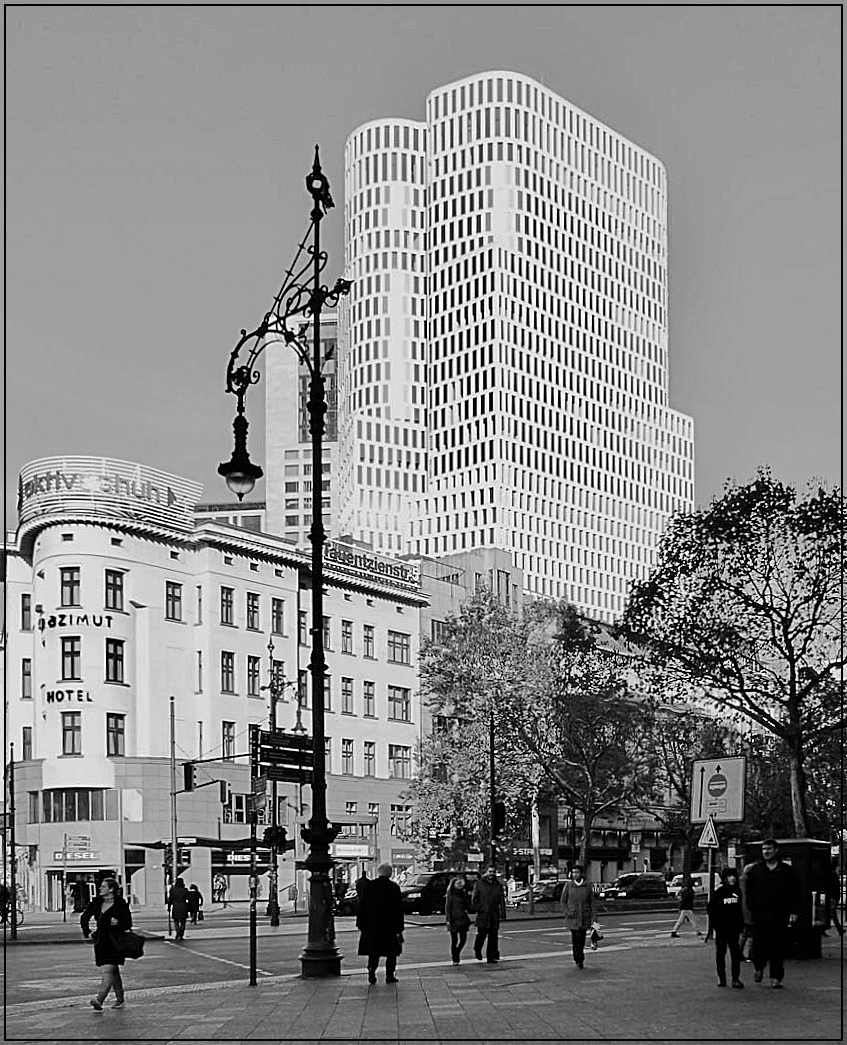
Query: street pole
(254, 741)
(13, 856)
(174, 857)
(273, 899)
(492, 793)
(300, 295)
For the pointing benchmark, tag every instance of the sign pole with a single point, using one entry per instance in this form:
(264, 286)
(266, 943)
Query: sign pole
(13, 855)
(65, 877)
(254, 736)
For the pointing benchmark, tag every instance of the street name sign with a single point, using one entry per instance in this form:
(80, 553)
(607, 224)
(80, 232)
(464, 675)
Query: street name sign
(717, 789)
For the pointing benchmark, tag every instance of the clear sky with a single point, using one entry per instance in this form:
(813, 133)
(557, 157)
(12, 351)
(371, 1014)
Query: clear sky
(155, 196)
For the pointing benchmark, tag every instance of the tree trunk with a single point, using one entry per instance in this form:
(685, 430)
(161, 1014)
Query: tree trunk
(798, 795)
(587, 823)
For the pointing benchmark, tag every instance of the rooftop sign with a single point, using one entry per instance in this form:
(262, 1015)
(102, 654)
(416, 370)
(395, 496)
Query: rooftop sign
(104, 486)
(346, 559)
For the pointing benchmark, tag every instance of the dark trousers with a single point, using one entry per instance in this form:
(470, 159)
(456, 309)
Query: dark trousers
(769, 946)
(179, 927)
(457, 942)
(492, 952)
(733, 942)
(578, 944)
(390, 964)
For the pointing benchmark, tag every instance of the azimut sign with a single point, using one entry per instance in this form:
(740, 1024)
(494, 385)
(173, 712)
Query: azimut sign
(104, 486)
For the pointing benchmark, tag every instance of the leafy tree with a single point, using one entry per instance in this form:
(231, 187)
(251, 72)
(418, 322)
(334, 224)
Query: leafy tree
(576, 717)
(745, 605)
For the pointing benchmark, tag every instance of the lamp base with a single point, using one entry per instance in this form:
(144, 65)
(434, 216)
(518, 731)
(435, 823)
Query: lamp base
(320, 964)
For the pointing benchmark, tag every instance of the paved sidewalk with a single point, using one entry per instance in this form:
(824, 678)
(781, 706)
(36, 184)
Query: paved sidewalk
(661, 990)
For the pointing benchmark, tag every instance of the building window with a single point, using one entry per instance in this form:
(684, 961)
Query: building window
(328, 633)
(227, 604)
(173, 600)
(116, 734)
(228, 740)
(439, 631)
(114, 660)
(327, 692)
(69, 585)
(373, 808)
(114, 590)
(68, 804)
(368, 640)
(399, 761)
(71, 659)
(369, 699)
(347, 756)
(199, 671)
(72, 733)
(399, 646)
(252, 611)
(26, 744)
(278, 616)
(253, 677)
(328, 753)
(32, 812)
(278, 679)
(401, 821)
(26, 678)
(302, 629)
(227, 671)
(399, 703)
(303, 688)
(351, 808)
(347, 636)
(26, 613)
(370, 758)
(346, 696)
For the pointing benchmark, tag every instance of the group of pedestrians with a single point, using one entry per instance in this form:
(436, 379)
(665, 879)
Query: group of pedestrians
(184, 904)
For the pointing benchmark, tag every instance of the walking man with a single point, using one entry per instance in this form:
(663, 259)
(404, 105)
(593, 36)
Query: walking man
(726, 923)
(489, 901)
(771, 893)
(178, 905)
(578, 905)
(380, 923)
(686, 907)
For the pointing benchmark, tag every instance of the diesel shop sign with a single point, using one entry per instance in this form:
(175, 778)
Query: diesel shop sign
(103, 486)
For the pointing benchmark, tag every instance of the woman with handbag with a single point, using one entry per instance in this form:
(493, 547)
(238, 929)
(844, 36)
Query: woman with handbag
(112, 916)
(457, 906)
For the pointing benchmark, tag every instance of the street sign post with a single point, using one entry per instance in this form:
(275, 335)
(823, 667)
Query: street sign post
(717, 789)
(709, 837)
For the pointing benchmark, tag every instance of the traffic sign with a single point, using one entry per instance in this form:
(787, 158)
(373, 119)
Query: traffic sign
(289, 774)
(709, 837)
(717, 789)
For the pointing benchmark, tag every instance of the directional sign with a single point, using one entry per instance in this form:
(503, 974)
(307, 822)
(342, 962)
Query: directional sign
(289, 774)
(709, 837)
(717, 789)
(291, 741)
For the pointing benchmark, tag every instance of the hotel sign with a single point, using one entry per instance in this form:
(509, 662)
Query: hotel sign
(346, 559)
(104, 486)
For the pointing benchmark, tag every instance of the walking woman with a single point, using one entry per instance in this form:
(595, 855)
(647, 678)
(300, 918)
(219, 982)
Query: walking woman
(578, 905)
(457, 913)
(111, 914)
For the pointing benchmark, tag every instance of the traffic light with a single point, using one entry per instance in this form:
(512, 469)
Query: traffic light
(498, 816)
(275, 836)
(188, 776)
(224, 792)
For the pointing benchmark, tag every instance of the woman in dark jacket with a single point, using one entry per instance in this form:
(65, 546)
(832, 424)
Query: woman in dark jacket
(178, 905)
(578, 905)
(380, 922)
(112, 915)
(457, 908)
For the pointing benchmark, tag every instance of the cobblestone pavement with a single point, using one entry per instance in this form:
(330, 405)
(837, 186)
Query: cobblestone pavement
(659, 990)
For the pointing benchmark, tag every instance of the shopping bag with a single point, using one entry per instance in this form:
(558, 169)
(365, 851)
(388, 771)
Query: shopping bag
(129, 944)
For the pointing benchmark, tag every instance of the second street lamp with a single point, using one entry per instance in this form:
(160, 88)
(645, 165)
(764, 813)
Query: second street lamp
(301, 295)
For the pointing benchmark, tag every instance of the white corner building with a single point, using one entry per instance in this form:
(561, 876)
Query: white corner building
(503, 354)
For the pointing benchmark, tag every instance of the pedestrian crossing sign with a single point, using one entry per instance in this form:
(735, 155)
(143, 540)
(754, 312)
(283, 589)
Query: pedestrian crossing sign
(709, 837)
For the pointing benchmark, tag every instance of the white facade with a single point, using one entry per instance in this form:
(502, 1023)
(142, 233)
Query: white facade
(117, 602)
(507, 332)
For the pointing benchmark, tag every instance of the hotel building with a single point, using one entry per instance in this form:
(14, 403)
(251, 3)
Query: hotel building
(503, 355)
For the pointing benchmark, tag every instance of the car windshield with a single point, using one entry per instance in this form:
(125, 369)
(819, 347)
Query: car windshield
(417, 881)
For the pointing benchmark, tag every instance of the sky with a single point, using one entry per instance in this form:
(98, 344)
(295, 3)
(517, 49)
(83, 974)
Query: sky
(155, 195)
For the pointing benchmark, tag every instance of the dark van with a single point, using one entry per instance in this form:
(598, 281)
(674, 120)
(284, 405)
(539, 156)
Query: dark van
(426, 892)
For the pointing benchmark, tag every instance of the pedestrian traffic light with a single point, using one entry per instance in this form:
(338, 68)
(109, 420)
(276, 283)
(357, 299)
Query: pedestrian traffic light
(498, 816)
(188, 775)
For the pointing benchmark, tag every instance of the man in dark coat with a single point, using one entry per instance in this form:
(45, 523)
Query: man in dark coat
(178, 905)
(489, 901)
(380, 922)
(772, 898)
(726, 923)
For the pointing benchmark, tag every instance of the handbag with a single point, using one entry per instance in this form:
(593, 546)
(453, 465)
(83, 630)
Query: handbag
(199, 916)
(129, 944)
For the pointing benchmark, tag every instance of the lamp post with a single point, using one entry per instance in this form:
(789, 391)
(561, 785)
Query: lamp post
(276, 687)
(301, 294)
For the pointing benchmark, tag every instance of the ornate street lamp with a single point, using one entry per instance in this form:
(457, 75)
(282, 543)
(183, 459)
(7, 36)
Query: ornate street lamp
(301, 295)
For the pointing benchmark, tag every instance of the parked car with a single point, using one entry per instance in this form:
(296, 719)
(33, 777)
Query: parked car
(698, 881)
(635, 886)
(426, 892)
(542, 892)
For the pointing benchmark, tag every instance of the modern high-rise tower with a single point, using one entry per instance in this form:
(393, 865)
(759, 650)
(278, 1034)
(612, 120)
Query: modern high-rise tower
(503, 369)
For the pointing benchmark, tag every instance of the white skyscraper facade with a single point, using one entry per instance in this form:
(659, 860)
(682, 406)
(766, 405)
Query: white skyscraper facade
(503, 373)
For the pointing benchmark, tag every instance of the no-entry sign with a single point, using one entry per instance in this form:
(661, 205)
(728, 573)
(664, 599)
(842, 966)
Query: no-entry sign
(717, 789)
